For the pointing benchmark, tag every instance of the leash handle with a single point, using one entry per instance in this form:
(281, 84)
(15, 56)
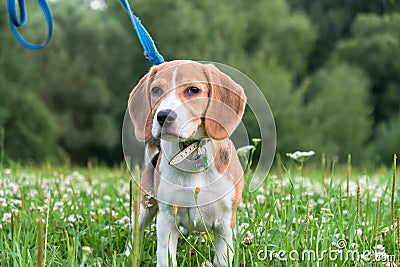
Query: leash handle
(150, 49)
(16, 22)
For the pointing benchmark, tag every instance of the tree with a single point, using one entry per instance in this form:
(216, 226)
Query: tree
(339, 111)
(334, 20)
(386, 142)
(29, 126)
(375, 48)
(80, 80)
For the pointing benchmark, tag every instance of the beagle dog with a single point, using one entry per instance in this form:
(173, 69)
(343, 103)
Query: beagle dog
(194, 181)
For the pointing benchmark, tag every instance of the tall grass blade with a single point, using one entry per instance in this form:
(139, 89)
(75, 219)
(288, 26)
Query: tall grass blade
(348, 174)
(2, 138)
(393, 188)
(136, 207)
(40, 242)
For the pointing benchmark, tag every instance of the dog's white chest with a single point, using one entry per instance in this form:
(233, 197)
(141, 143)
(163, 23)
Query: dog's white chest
(178, 187)
(207, 207)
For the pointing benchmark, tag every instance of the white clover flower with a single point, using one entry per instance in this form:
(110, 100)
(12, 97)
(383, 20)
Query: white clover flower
(358, 232)
(123, 220)
(243, 227)
(108, 227)
(7, 171)
(71, 218)
(101, 212)
(300, 156)
(385, 230)
(58, 206)
(260, 199)
(6, 218)
(244, 150)
(79, 218)
(206, 264)
(114, 214)
(128, 250)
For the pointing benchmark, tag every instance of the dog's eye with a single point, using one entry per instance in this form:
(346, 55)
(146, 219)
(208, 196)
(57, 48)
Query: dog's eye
(156, 91)
(192, 91)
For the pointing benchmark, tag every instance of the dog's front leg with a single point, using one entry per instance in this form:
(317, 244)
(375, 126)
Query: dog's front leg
(223, 244)
(167, 237)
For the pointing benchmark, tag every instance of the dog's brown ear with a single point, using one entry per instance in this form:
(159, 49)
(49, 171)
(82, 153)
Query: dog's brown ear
(139, 107)
(226, 104)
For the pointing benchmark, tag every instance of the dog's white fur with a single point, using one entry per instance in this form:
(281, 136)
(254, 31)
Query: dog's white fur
(213, 113)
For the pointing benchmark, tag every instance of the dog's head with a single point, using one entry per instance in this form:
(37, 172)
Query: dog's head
(184, 100)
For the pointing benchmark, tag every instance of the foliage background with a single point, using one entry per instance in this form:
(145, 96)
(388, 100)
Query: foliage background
(330, 71)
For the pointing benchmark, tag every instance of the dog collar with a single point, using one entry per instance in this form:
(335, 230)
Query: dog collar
(200, 159)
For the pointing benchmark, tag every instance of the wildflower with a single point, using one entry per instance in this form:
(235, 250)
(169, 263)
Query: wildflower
(175, 210)
(256, 141)
(58, 206)
(247, 241)
(7, 171)
(17, 203)
(6, 218)
(260, 199)
(101, 212)
(206, 264)
(114, 214)
(124, 220)
(71, 218)
(3, 202)
(300, 156)
(358, 232)
(128, 250)
(242, 151)
(108, 227)
(243, 227)
(385, 230)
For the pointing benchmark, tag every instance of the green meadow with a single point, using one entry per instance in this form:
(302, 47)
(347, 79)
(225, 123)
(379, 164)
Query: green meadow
(301, 216)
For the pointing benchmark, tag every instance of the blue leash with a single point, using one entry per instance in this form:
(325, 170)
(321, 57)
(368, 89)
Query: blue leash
(16, 22)
(150, 49)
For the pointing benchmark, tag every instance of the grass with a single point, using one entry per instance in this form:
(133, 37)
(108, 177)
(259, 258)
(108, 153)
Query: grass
(310, 217)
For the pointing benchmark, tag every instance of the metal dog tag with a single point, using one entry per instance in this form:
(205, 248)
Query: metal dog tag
(201, 158)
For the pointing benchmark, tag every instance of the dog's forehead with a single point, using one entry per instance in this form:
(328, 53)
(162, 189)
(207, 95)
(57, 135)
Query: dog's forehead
(181, 72)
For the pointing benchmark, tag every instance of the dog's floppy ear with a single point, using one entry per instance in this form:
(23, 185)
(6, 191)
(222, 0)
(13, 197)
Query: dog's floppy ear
(226, 104)
(139, 107)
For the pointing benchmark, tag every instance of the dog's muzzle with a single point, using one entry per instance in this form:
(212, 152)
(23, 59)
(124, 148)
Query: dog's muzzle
(166, 117)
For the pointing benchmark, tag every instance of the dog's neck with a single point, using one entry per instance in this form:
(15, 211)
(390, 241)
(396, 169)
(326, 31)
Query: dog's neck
(191, 155)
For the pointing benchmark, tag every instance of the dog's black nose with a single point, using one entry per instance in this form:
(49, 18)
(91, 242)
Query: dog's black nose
(166, 116)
